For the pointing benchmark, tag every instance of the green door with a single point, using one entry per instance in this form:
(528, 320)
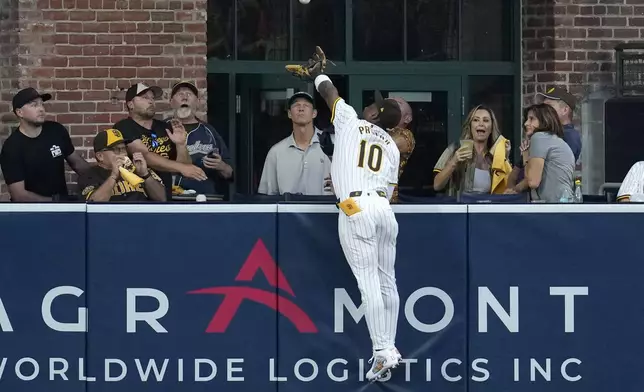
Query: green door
(437, 112)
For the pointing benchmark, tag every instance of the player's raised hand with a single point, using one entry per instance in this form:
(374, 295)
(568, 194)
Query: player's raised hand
(317, 62)
(314, 67)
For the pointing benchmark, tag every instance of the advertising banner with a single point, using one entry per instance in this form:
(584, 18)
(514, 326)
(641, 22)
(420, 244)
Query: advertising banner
(182, 301)
(554, 301)
(42, 297)
(130, 298)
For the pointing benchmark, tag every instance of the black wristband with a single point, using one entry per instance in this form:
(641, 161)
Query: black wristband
(145, 177)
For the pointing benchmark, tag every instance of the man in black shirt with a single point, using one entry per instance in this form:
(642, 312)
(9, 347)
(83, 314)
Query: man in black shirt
(206, 147)
(104, 181)
(33, 157)
(163, 145)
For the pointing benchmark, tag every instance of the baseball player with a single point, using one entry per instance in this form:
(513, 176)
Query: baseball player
(364, 172)
(632, 188)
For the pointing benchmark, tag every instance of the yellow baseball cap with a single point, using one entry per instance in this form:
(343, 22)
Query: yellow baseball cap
(108, 138)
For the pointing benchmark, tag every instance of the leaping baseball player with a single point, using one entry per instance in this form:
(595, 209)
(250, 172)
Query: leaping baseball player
(364, 172)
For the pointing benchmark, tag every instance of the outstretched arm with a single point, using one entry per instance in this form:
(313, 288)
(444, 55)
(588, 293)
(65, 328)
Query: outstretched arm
(327, 90)
(342, 115)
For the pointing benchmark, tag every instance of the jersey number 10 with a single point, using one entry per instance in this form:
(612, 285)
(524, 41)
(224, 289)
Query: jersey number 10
(373, 157)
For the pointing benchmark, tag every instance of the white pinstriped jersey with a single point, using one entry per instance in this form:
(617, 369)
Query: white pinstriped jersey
(632, 187)
(365, 157)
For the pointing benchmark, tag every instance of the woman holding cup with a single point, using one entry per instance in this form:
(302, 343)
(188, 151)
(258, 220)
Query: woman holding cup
(479, 162)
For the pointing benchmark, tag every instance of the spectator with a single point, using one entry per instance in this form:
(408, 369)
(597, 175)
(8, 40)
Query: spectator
(564, 104)
(632, 188)
(297, 163)
(163, 146)
(104, 182)
(33, 157)
(483, 168)
(206, 147)
(549, 162)
(404, 139)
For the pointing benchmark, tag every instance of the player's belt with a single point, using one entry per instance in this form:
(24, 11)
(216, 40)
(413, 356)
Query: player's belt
(358, 194)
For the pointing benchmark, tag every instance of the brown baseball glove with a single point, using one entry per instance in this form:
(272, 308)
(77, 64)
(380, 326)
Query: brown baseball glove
(315, 66)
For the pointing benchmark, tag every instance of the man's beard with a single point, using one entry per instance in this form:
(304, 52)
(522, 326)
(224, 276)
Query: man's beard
(183, 112)
(34, 124)
(148, 114)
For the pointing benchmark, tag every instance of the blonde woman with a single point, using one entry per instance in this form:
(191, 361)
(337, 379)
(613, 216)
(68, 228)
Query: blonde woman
(479, 162)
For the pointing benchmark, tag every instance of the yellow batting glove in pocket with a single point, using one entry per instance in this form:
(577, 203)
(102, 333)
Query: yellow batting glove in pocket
(349, 207)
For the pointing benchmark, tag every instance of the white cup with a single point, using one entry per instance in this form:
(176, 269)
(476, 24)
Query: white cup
(201, 198)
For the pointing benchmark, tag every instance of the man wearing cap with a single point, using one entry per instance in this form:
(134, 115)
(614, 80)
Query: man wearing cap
(163, 145)
(104, 181)
(33, 157)
(206, 147)
(564, 103)
(297, 163)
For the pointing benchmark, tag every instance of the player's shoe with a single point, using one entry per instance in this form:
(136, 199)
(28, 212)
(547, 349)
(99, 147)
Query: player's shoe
(382, 361)
(387, 374)
(398, 355)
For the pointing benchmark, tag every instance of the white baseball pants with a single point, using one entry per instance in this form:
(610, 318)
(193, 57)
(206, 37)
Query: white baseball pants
(368, 239)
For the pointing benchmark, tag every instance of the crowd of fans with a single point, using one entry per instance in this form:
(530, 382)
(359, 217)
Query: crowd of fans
(142, 158)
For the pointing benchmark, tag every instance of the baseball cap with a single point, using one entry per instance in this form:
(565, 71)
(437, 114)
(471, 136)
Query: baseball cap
(108, 138)
(560, 94)
(390, 113)
(27, 95)
(140, 88)
(184, 83)
(301, 94)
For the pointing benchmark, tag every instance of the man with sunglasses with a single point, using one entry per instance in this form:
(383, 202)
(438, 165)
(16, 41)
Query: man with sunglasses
(162, 144)
(104, 182)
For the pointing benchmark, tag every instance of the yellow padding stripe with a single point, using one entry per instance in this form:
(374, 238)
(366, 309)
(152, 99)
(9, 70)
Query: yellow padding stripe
(333, 108)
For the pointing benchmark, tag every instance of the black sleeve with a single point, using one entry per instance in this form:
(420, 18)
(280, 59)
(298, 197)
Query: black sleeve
(66, 144)
(87, 184)
(11, 163)
(127, 129)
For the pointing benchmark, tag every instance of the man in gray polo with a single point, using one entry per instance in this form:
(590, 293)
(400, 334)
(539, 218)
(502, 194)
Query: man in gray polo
(297, 163)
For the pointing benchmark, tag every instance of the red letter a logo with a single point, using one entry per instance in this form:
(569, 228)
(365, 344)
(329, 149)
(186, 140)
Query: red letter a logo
(259, 259)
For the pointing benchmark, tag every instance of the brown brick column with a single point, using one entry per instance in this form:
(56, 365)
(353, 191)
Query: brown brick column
(87, 52)
(571, 42)
(8, 69)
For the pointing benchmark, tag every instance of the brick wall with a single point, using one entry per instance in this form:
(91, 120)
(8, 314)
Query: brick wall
(570, 42)
(88, 52)
(8, 66)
